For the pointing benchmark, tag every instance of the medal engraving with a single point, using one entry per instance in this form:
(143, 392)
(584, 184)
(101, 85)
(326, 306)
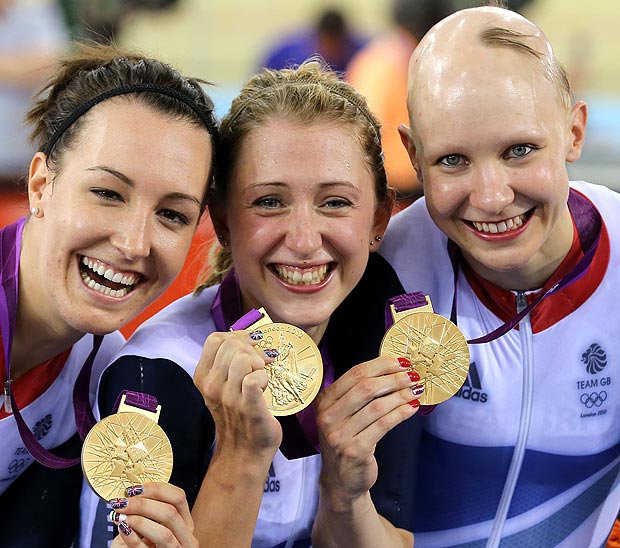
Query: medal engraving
(125, 449)
(437, 350)
(296, 374)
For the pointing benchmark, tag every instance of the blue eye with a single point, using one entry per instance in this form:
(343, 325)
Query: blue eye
(451, 160)
(336, 203)
(519, 151)
(268, 203)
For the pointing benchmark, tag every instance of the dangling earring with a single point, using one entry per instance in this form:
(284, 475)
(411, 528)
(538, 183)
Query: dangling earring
(34, 211)
(377, 239)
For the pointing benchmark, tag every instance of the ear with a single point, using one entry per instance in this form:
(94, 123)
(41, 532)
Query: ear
(383, 212)
(38, 178)
(577, 127)
(217, 212)
(406, 136)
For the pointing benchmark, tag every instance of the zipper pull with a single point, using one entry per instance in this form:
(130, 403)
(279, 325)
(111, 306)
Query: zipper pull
(7, 396)
(521, 301)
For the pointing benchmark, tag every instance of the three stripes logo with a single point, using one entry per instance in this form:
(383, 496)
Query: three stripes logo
(472, 387)
(272, 484)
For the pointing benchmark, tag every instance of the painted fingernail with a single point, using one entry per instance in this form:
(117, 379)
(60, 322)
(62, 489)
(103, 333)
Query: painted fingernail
(256, 335)
(124, 528)
(417, 390)
(414, 376)
(404, 362)
(116, 517)
(272, 353)
(118, 504)
(134, 490)
(414, 403)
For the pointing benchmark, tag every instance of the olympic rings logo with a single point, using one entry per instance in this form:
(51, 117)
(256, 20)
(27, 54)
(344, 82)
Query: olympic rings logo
(595, 399)
(16, 465)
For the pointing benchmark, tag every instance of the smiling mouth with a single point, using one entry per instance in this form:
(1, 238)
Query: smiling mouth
(293, 275)
(104, 278)
(500, 227)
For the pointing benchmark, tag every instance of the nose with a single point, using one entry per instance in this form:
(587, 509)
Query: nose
(132, 236)
(304, 232)
(491, 189)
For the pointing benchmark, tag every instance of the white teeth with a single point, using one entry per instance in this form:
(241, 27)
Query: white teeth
(295, 277)
(107, 273)
(502, 226)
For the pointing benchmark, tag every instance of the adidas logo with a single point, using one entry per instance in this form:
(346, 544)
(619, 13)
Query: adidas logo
(472, 387)
(272, 485)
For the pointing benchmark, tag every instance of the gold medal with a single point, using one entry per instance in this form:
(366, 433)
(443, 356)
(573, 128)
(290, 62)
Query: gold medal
(124, 449)
(436, 348)
(296, 374)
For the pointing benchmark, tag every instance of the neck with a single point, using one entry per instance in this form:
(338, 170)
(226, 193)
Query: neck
(316, 332)
(40, 333)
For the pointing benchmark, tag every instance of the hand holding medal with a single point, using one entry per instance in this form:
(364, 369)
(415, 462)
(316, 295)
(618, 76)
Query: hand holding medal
(435, 346)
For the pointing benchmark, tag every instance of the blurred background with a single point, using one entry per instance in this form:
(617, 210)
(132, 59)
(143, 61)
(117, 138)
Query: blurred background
(225, 41)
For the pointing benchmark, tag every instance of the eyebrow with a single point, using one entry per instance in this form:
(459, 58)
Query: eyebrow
(129, 182)
(325, 184)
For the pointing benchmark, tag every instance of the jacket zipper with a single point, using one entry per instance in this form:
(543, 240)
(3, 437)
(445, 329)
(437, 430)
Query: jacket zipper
(525, 336)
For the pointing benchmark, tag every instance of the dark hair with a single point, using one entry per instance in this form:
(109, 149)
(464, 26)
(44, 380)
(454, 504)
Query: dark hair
(95, 72)
(331, 22)
(308, 94)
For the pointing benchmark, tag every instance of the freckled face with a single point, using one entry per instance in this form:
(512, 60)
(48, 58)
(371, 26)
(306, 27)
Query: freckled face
(491, 145)
(118, 220)
(301, 212)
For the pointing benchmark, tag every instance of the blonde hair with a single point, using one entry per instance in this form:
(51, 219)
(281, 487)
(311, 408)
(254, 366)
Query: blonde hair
(308, 94)
(518, 41)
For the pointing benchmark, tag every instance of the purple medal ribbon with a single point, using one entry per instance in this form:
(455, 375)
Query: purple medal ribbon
(588, 223)
(10, 245)
(141, 400)
(300, 435)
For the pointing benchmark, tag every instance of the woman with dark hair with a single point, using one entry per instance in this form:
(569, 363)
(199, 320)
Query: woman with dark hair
(116, 190)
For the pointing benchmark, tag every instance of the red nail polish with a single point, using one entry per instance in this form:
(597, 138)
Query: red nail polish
(414, 403)
(414, 376)
(404, 362)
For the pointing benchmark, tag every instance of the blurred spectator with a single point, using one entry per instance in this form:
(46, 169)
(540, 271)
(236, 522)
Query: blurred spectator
(330, 38)
(32, 32)
(103, 20)
(379, 71)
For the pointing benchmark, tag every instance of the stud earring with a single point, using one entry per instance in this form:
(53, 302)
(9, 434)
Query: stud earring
(222, 241)
(377, 239)
(34, 211)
